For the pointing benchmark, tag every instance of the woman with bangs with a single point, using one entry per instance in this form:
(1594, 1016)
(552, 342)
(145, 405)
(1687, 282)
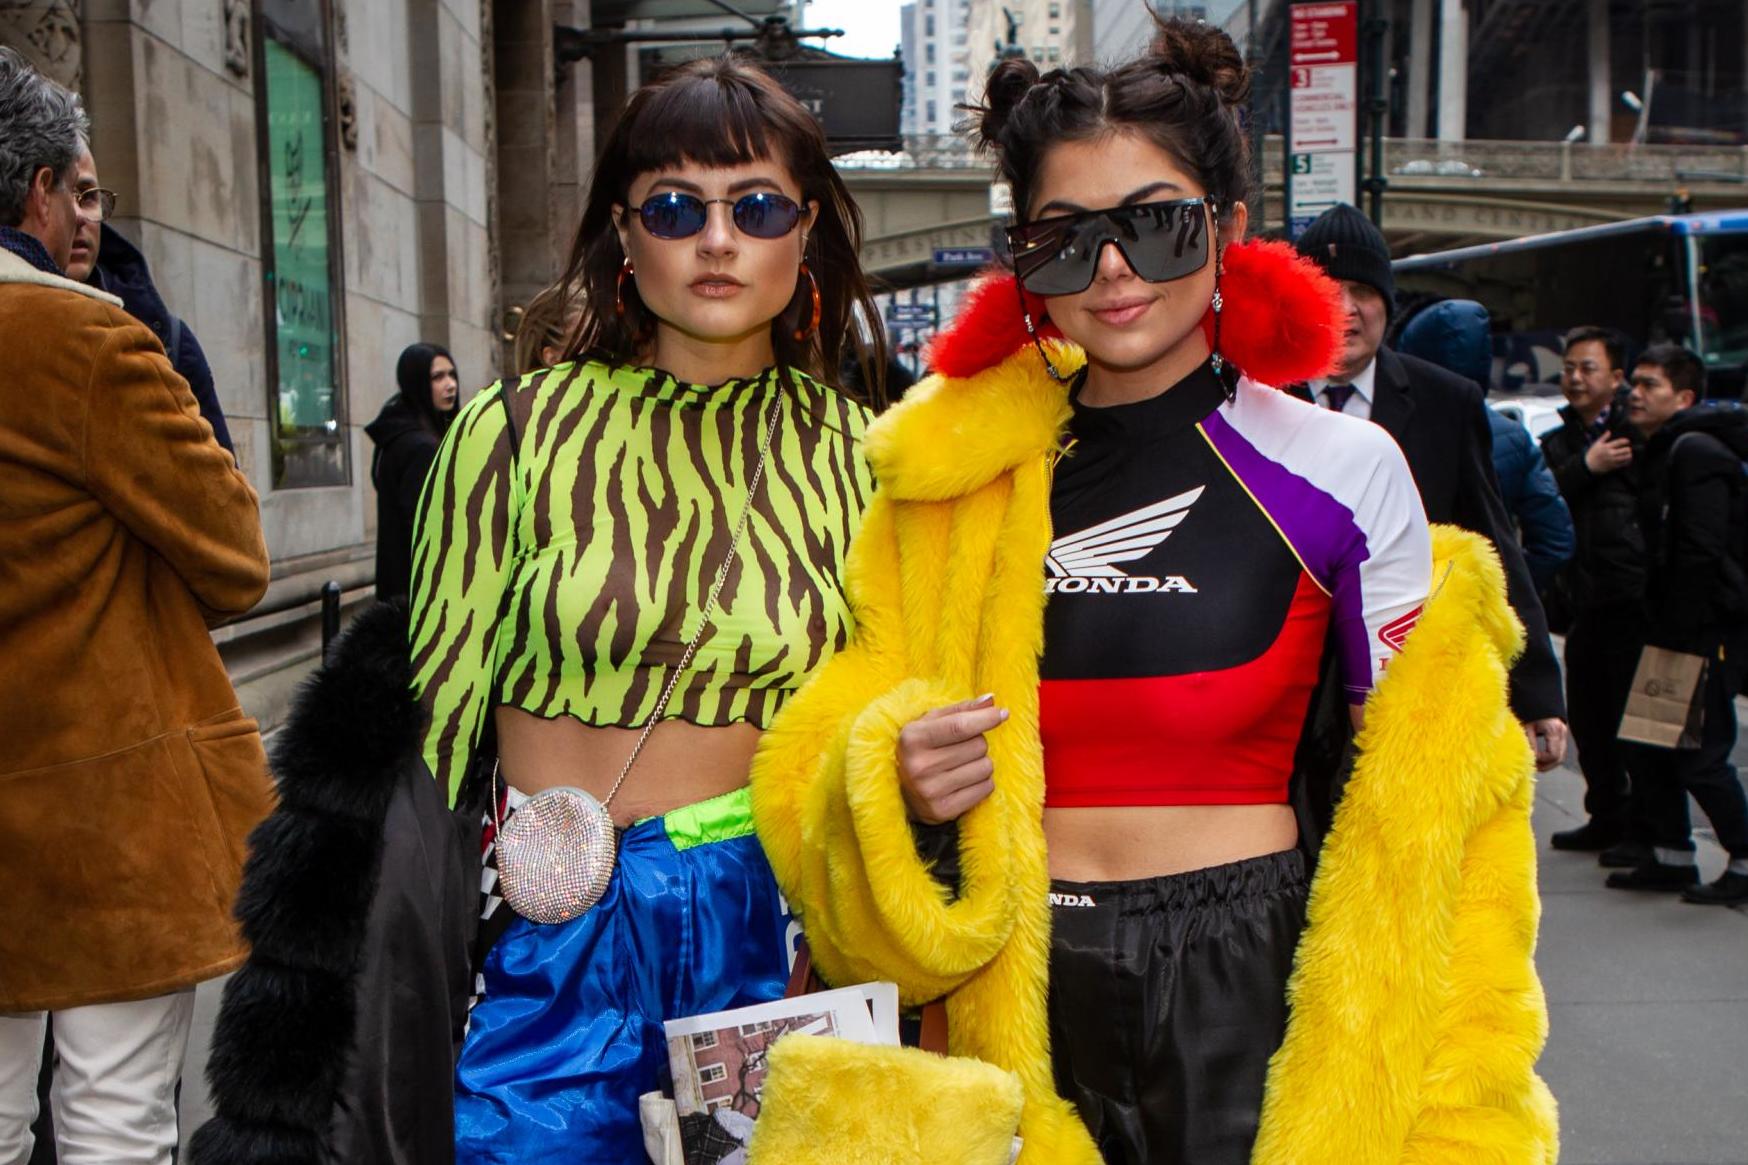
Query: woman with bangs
(626, 563)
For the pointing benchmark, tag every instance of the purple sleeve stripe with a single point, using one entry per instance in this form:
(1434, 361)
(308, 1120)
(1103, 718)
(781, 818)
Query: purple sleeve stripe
(1320, 530)
(1323, 532)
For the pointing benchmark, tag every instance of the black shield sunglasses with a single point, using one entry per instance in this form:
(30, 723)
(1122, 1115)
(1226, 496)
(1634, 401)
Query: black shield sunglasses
(760, 215)
(1160, 241)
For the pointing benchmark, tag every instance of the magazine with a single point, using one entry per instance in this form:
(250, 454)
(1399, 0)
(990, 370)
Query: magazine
(719, 1060)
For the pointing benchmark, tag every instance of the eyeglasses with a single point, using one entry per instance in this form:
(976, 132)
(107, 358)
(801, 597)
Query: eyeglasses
(761, 215)
(96, 202)
(1160, 241)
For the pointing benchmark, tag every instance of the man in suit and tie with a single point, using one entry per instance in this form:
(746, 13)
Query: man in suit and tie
(1440, 421)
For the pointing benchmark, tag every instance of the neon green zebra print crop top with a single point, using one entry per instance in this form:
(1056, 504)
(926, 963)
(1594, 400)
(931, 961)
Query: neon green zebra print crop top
(566, 576)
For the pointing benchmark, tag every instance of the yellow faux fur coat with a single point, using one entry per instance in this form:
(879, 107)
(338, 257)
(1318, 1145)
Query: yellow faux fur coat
(1417, 1016)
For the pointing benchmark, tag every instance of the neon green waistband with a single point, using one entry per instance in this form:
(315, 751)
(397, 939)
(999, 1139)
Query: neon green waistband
(722, 818)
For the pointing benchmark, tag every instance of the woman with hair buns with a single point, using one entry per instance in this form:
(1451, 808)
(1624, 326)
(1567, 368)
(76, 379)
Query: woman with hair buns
(1152, 868)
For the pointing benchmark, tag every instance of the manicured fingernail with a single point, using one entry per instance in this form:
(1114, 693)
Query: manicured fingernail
(1005, 714)
(986, 698)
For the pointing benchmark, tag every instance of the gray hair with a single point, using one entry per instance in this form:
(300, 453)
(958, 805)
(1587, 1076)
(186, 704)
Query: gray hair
(41, 124)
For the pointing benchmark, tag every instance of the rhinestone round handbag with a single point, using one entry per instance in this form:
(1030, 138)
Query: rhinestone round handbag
(556, 854)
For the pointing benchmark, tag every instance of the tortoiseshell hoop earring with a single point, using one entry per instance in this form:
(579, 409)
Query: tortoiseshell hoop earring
(813, 292)
(626, 271)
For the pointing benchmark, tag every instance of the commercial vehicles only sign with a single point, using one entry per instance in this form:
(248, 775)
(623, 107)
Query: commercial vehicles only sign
(1323, 59)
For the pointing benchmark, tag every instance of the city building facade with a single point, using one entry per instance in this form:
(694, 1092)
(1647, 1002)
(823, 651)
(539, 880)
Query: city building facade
(1051, 33)
(316, 184)
(937, 66)
(1121, 29)
(1603, 72)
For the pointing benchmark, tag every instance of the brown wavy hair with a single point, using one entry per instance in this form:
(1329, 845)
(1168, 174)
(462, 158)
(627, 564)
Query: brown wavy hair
(542, 326)
(724, 111)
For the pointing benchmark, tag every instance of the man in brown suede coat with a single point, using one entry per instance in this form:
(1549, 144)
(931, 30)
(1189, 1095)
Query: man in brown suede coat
(129, 776)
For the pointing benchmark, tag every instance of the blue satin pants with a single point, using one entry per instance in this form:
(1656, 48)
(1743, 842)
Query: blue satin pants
(568, 1032)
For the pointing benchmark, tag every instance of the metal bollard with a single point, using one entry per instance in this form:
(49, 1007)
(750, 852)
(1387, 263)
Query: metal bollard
(330, 619)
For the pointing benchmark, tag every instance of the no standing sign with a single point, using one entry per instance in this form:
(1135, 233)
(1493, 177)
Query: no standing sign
(1323, 57)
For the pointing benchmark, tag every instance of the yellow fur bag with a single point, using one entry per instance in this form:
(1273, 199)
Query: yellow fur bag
(838, 1102)
(833, 1102)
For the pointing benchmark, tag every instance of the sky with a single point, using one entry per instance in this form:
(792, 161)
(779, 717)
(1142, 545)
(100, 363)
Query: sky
(870, 26)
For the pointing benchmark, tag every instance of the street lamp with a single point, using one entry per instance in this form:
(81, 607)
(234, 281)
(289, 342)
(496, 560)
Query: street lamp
(1641, 106)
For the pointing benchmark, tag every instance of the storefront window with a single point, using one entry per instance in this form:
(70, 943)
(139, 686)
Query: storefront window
(300, 250)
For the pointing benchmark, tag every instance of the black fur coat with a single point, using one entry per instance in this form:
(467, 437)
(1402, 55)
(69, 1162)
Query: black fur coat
(336, 1041)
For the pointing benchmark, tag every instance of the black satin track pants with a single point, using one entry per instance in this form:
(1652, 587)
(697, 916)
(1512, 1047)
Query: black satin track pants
(1167, 998)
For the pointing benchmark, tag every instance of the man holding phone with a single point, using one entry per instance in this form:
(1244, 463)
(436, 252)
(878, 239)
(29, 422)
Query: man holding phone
(1594, 456)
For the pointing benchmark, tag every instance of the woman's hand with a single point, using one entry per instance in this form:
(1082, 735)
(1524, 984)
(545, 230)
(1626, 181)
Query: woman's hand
(943, 760)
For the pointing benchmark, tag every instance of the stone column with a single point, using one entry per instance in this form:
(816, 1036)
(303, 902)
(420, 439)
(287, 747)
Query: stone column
(1419, 66)
(46, 32)
(1453, 70)
(457, 303)
(574, 159)
(1601, 80)
(532, 239)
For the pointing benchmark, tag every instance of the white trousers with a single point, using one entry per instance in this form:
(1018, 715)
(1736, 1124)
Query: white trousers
(115, 1076)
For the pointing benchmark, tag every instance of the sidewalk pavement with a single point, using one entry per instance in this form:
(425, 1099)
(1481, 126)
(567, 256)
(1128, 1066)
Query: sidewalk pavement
(1648, 1007)
(1648, 1000)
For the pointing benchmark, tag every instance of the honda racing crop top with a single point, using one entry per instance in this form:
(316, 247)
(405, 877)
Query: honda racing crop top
(567, 576)
(1204, 548)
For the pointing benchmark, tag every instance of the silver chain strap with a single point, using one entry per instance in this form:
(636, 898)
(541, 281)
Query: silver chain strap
(775, 414)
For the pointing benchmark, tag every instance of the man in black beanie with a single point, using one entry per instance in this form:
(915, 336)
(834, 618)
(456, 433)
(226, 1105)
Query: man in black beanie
(1440, 421)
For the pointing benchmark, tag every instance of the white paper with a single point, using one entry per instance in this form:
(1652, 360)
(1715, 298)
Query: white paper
(848, 1004)
(883, 1004)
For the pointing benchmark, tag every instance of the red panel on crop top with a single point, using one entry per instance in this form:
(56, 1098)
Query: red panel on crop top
(1204, 548)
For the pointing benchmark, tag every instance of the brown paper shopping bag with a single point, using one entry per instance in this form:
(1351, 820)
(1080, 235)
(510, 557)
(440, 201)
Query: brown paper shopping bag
(1666, 706)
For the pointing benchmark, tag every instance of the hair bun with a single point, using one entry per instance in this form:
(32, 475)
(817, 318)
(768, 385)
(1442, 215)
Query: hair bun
(1008, 85)
(1201, 53)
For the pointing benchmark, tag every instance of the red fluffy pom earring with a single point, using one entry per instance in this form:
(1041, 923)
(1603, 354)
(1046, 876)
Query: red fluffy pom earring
(1286, 320)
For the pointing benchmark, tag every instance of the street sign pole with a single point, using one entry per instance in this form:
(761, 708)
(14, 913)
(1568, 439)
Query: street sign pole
(1360, 64)
(1377, 30)
(1253, 125)
(1286, 159)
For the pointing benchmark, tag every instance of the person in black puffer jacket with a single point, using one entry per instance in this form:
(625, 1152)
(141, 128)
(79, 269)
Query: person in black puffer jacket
(1694, 509)
(407, 433)
(1595, 455)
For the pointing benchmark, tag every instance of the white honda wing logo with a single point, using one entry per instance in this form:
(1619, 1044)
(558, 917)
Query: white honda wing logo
(1086, 562)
